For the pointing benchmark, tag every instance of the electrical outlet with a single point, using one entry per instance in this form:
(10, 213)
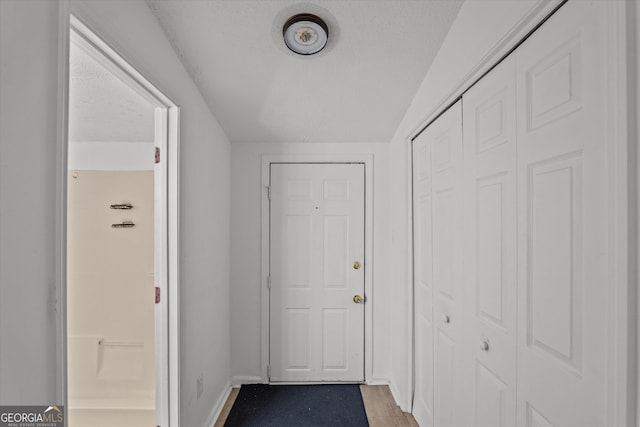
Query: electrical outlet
(199, 386)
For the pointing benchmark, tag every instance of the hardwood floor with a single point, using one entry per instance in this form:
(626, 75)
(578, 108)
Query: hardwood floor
(379, 405)
(381, 408)
(227, 407)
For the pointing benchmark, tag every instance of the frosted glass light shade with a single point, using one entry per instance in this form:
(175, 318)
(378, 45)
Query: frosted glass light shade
(305, 34)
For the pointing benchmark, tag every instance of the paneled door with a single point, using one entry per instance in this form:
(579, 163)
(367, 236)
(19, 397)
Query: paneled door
(317, 274)
(490, 249)
(563, 220)
(446, 162)
(423, 279)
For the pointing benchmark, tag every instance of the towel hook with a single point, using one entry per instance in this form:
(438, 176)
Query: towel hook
(124, 224)
(122, 206)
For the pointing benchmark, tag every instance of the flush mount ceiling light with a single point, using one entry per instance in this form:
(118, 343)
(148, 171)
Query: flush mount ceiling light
(305, 34)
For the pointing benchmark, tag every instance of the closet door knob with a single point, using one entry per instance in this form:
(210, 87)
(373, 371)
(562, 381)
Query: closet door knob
(446, 319)
(485, 345)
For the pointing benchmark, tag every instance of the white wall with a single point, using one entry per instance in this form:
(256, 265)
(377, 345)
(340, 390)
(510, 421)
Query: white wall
(28, 129)
(246, 204)
(481, 29)
(28, 82)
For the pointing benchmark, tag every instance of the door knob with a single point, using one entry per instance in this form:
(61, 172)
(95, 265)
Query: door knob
(446, 319)
(356, 265)
(484, 346)
(358, 299)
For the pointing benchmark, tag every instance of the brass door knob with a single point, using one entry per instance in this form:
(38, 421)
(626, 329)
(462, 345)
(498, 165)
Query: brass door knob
(356, 265)
(358, 299)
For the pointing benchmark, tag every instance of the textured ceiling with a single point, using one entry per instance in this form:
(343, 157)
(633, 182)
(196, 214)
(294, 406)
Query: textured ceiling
(103, 108)
(356, 90)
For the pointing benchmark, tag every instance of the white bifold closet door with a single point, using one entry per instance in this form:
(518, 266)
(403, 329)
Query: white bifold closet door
(489, 224)
(438, 154)
(563, 216)
(423, 279)
(511, 239)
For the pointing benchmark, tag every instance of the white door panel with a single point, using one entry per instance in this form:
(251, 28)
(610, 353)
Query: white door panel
(316, 236)
(494, 404)
(562, 211)
(423, 288)
(437, 156)
(446, 134)
(490, 248)
(447, 381)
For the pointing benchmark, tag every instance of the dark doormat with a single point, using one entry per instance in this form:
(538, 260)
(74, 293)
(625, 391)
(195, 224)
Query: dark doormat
(264, 405)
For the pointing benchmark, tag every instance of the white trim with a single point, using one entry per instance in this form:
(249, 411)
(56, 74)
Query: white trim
(622, 358)
(396, 395)
(160, 269)
(378, 381)
(173, 178)
(367, 160)
(166, 181)
(408, 406)
(633, 55)
(219, 405)
(238, 380)
(61, 203)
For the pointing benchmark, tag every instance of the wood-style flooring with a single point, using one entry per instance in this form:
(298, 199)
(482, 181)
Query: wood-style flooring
(379, 404)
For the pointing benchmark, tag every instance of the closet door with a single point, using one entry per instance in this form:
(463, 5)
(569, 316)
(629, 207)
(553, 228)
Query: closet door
(423, 279)
(562, 213)
(490, 249)
(447, 264)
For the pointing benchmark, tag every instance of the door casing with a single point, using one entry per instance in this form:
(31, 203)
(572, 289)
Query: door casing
(165, 211)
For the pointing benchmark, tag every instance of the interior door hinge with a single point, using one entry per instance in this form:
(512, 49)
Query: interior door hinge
(269, 282)
(268, 371)
(157, 155)
(269, 192)
(157, 295)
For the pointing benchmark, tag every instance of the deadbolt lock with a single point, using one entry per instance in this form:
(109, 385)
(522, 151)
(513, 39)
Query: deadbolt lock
(356, 265)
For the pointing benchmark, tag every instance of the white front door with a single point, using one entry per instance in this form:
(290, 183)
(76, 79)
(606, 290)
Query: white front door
(317, 272)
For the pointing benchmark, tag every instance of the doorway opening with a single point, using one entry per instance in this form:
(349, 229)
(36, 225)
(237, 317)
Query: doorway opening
(121, 306)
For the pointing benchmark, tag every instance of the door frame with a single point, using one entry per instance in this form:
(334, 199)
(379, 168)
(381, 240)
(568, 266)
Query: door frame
(367, 161)
(167, 117)
(623, 323)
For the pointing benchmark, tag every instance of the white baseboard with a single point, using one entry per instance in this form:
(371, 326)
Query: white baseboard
(217, 408)
(377, 381)
(239, 380)
(396, 394)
